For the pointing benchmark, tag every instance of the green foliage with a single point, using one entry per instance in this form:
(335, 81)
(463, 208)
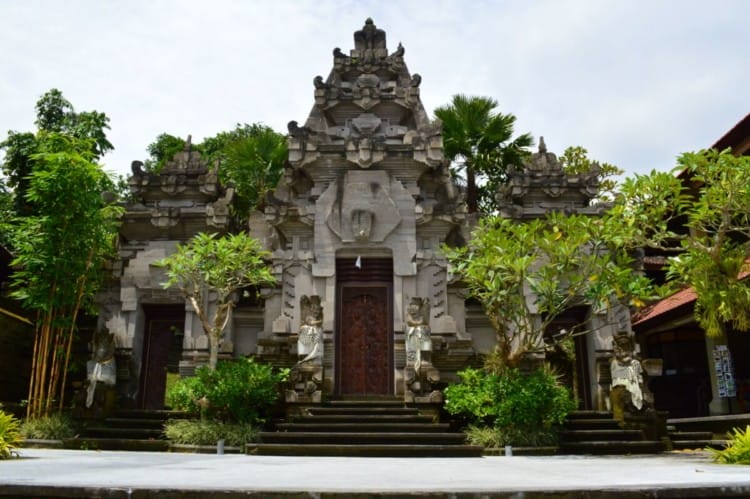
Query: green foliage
(562, 260)
(575, 160)
(703, 218)
(54, 115)
(205, 432)
(253, 164)
(479, 142)
(51, 427)
(221, 266)
(490, 436)
(10, 435)
(521, 407)
(251, 158)
(737, 450)
(241, 391)
(64, 246)
(162, 150)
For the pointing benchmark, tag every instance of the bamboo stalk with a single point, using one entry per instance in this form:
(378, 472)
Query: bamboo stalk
(71, 331)
(34, 363)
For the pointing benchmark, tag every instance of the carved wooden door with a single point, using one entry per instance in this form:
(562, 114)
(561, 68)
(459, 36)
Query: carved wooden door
(365, 360)
(161, 351)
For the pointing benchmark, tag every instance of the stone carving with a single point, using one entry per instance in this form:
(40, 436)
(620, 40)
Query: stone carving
(306, 377)
(626, 394)
(418, 341)
(101, 370)
(310, 341)
(419, 373)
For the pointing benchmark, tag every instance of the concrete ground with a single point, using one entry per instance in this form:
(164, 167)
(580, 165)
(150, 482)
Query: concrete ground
(114, 474)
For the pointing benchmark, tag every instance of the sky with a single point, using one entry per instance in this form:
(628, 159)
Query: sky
(636, 82)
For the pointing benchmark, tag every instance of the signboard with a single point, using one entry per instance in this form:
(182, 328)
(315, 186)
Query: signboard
(724, 371)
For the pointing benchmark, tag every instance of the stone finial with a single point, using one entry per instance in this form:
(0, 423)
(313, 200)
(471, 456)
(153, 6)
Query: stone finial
(189, 143)
(369, 37)
(542, 145)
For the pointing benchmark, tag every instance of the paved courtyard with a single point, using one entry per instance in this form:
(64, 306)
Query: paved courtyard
(66, 473)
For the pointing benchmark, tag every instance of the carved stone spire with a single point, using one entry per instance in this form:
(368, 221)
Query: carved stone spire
(369, 37)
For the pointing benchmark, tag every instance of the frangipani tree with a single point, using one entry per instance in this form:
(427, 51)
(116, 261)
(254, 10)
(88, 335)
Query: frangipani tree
(702, 217)
(219, 267)
(527, 274)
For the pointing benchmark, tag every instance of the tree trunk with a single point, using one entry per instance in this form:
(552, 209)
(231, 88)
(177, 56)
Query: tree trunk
(472, 201)
(213, 342)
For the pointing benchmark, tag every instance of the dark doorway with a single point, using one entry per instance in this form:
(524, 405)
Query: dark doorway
(162, 349)
(573, 369)
(364, 323)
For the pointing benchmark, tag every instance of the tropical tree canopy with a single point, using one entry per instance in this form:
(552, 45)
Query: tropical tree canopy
(251, 158)
(220, 267)
(480, 143)
(526, 274)
(701, 217)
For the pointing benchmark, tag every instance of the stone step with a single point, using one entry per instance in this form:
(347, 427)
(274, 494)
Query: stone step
(367, 402)
(691, 435)
(134, 423)
(124, 444)
(366, 450)
(698, 444)
(601, 435)
(592, 423)
(351, 438)
(364, 418)
(366, 427)
(135, 414)
(612, 447)
(590, 415)
(359, 410)
(122, 433)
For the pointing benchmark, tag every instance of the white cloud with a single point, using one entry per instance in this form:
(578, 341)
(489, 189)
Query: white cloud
(635, 82)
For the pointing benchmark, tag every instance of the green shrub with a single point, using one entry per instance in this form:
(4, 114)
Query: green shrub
(525, 409)
(204, 432)
(52, 427)
(490, 436)
(10, 435)
(737, 450)
(241, 391)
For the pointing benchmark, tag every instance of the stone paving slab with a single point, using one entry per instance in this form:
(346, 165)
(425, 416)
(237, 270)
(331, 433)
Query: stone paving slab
(113, 474)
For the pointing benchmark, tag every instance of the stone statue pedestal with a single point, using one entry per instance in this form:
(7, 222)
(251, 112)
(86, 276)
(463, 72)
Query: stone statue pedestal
(305, 384)
(418, 385)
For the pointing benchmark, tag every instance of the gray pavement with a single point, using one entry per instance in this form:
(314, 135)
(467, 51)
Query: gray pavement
(68, 473)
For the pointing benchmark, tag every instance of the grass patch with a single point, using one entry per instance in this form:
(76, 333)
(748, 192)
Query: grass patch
(207, 432)
(488, 436)
(52, 427)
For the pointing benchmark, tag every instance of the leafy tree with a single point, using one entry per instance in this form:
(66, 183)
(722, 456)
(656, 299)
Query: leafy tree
(251, 158)
(60, 252)
(527, 274)
(219, 267)
(575, 160)
(479, 141)
(703, 218)
(54, 114)
(162, 150)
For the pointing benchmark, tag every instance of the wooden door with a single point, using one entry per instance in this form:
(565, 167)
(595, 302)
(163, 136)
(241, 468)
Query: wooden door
(162, 347)
(364, 322)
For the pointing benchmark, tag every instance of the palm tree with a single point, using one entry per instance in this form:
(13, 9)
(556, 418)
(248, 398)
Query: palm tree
(478, 140)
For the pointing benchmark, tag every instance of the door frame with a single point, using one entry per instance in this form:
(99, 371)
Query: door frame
(170, 313)
(340, 286)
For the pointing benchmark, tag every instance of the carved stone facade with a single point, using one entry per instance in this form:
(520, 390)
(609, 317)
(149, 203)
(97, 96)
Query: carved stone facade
(367, 184)
(542, 187)
(154, 329)
(365, 303)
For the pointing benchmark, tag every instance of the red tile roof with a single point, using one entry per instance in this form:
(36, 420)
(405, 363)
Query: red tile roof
(661, 307)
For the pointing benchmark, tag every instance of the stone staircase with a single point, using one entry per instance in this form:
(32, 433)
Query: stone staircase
(132, 430)
(597, 432)
(364, 428)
